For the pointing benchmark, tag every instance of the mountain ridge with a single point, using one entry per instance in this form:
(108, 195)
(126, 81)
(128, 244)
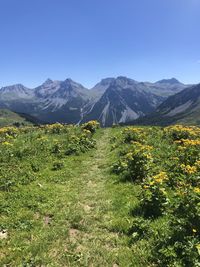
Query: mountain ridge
(112, 100)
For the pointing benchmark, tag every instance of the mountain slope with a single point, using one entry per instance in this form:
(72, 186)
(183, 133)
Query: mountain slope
(52, 101)
(165, 87)
(183, 107)
(8, 118)
(17, 91)
(61, 101)
(122, 101)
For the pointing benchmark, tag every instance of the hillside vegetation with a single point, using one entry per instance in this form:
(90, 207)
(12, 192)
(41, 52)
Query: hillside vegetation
(85, 196)
(8, 117)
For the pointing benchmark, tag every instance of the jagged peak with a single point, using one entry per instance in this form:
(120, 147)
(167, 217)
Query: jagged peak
(170, 81)
(70, 83)
(48, 81)
(69, 80)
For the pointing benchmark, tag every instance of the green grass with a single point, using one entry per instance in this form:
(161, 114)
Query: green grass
(70, 209)
(75, 216)
(8, 117)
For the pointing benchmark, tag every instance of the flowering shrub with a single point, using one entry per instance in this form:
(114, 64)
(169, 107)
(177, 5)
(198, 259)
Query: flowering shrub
(131, 134)
(135, 163)
(188, 151)
(154, 196)
(9, 131)
(181, 246)
(56, 128)
(178, 132)
(91, 126)
(166, 163)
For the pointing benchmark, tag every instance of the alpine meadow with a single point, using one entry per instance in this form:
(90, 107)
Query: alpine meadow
(100, 162)
(85, 196)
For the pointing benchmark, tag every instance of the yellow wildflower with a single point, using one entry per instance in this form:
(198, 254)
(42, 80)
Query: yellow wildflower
(198, 248)
(7, 144)
(86, 131)
(145, 186)
(197, 190)
(188, 169)
(159, 178)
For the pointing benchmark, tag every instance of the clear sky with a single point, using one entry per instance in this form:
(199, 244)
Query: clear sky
(88, 40)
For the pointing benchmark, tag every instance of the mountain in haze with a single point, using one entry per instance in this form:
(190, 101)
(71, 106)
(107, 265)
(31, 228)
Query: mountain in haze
(14, 92)
(112, 100)
(183, 107)
(165, 87)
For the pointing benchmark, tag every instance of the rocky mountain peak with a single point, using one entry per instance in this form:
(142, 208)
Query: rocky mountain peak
(106, 81)
(47, 82)
(70, 84)
(169, 81)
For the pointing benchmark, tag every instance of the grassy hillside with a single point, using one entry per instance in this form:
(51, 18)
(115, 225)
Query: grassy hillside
(181, 108)
(191, 118)
(8, 117)
(83, 196)
(158, 119)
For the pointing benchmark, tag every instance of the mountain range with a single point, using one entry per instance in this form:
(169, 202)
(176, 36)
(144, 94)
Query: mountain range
(111, 101)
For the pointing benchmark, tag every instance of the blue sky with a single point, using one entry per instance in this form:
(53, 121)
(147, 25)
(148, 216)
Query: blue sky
(88, 40)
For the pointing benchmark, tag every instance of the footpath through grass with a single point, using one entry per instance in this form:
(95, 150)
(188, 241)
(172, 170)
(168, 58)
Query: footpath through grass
(83, 196)
(75, 216)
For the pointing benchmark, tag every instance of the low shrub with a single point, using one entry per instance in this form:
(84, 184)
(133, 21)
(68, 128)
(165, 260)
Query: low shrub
(91, 126)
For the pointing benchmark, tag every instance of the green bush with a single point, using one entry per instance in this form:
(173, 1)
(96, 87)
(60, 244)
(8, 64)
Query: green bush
(135, 162)
(91, 126)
